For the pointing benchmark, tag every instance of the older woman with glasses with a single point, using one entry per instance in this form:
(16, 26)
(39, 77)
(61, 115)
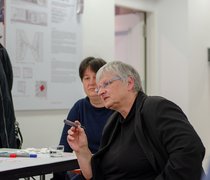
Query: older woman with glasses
(148, 137)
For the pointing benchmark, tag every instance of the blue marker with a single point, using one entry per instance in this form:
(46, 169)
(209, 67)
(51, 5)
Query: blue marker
(26, 155)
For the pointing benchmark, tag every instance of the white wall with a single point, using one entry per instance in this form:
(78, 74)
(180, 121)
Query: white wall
(178, 61)
(172, 34)
(41, 128)
(199, 71)
(98, 29)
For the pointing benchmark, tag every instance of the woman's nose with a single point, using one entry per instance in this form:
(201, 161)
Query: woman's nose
(92, 81)
(101, 91)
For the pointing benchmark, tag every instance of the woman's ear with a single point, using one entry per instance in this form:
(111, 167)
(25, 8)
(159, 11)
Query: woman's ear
(130, 82)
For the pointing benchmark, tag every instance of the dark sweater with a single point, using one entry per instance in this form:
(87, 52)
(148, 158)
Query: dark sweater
(92, 118)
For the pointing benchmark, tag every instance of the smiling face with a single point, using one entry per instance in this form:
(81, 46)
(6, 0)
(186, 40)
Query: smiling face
(89, 83)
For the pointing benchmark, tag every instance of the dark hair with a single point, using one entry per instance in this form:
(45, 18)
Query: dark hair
(90, 62)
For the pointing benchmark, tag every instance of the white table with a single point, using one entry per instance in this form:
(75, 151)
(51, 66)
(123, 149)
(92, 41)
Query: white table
(23, 167)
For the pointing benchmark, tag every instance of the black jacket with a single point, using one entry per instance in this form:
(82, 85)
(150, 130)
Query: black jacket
(170, 143)
(7, 115)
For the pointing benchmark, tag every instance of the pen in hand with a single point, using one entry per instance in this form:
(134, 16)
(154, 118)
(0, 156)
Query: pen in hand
(71, 123)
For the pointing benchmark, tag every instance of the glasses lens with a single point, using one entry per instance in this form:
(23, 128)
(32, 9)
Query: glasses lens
(96, 90)
(105, 84)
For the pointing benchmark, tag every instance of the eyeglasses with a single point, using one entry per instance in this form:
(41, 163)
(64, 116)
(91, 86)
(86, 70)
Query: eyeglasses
(107, 83)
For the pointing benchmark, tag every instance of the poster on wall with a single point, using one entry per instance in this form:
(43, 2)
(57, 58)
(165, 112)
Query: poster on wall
(43, 39)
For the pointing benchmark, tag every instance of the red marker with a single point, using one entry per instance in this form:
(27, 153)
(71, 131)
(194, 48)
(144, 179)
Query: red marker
(6, 154)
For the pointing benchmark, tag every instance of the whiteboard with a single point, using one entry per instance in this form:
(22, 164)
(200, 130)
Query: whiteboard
(43, 40)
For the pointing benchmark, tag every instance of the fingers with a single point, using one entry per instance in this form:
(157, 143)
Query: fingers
(71, 133)
(78, 123)
(74, 132)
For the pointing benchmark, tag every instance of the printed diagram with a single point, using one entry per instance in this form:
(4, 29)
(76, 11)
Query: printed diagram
(22, 72)
(41, 89)
(60, 15)
(21, 88)
(35, 2)
(28, 16)
(16, 72)
(44, 41)
(25, 47)
(27, 73)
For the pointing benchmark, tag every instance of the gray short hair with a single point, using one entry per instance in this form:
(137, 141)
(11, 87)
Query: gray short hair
(122, 70)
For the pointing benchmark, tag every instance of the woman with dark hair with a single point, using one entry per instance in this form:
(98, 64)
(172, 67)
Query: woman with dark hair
(89, 111)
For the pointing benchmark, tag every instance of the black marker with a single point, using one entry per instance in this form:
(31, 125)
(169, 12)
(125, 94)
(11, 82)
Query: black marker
(71, 123)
